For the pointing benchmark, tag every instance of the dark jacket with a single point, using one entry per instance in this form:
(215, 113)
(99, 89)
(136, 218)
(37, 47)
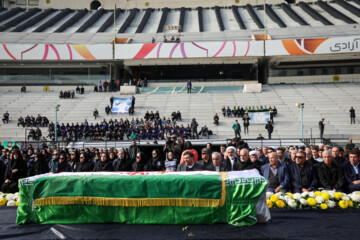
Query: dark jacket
(183, 167)
(213, 168)
(331, 177)
(295, 177)
(103, 166)
(204, 164)
(349, 172)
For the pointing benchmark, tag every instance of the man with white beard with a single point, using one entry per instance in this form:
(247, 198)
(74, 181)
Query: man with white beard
(231, 162)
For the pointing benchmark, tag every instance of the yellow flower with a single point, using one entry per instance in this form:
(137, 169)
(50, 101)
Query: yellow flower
(17, 203)
(338, 195)
(317, 193)
(269, 203)
(290, 194)
(274, 198)
(2, 202)
(280, 204)
(311, 202)
(325, 195)
(323, 206)
(350, 203)
(343, 204)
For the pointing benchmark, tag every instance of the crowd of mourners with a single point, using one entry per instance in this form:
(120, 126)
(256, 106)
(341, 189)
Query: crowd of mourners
(295, 169)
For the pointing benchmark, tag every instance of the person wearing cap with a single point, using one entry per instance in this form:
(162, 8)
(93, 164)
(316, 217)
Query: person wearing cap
(190, 164)
(254, 159)
(205, 158)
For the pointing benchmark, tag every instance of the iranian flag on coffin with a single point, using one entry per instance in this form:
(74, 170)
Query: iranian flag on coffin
(143, 198)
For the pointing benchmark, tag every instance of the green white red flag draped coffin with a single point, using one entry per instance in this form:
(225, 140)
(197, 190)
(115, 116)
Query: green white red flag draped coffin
(143, 198)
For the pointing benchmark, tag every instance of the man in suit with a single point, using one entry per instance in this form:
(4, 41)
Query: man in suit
(276, 173)
(331, 176)
(189, 164)
(205, 158)
(217, 164)
(303, 176)
(352, 171)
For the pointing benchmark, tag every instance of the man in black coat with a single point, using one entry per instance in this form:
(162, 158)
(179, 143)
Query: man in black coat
(352, 171)
(205, 161)
(303, 177)
(217, 165)
(352, 115)
(321, 127)
(269, 127)
(245, 163)
(331, 176)
(189, 164)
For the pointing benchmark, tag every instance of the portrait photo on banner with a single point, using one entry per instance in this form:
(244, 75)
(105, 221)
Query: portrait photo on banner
(121, 105)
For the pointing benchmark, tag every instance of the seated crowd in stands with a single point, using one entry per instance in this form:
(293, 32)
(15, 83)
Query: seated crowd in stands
(294, 169)
(155, 129)
(67, 94)
(79, 90)
(39, 121)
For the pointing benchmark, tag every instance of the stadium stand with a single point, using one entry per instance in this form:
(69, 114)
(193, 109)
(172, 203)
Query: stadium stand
(331, 102)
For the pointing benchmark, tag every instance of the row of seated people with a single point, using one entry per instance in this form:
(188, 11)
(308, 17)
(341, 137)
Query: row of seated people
(117, 130)
(241, 111)
(30, 121)
(67, 94)
(299, 175)
(175, 116)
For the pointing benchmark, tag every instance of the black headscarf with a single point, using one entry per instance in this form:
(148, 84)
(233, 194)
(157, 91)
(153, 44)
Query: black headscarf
(18, 164)
(86, 166)
(40, 166)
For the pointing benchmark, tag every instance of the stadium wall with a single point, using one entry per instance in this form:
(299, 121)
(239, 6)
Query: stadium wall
(315, 79)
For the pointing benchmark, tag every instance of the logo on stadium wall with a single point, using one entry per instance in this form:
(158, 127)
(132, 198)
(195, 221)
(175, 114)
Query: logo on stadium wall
(302, 46)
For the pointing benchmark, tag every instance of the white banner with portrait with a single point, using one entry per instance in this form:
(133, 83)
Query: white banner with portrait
(259, 117)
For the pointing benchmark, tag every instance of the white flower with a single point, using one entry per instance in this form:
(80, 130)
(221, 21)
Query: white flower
(9, 197)
(331, 204)
(292, 203)
(345, 198)
(268, 195)
(16, 195)
(319, 199)
(279, 194)
(303, 201)
(287, 198)
(304, 194)
(297, 196)
(312, 194)
(355, 197)
(11, 203)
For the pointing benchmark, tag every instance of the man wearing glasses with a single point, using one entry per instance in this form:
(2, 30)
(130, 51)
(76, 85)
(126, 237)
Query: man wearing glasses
(303, 177)
(189, 164)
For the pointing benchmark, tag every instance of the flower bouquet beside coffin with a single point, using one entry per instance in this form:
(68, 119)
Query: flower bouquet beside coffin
(313, 200)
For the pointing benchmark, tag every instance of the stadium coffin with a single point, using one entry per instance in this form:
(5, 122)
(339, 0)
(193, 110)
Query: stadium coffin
(237, 198)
